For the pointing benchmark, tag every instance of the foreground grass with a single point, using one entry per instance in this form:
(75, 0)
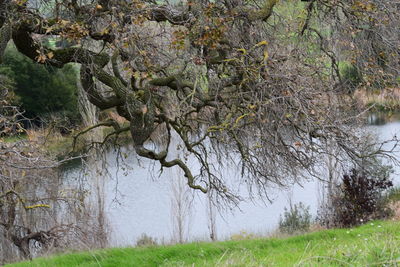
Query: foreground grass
(374, 244)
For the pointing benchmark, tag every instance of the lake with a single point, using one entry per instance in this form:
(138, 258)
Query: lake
(139, 200)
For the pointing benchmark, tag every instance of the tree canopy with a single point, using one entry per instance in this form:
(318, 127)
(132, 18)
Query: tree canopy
(253, 83)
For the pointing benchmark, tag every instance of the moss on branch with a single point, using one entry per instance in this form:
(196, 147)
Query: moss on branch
(93, 95)
(172, 82)
(113, 82)
(261, 14)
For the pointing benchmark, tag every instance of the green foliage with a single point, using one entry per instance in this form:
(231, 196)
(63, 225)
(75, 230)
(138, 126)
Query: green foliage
(350, 75)
(41, 90)
(374, 244)
(295, 219)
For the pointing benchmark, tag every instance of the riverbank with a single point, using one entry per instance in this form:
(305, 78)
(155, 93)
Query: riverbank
(373, 244)
(384, 100)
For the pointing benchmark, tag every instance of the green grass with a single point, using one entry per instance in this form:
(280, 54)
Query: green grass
(374, 244)
(14, 138)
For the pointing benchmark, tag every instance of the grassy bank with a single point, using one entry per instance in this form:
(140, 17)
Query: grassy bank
(374, 244)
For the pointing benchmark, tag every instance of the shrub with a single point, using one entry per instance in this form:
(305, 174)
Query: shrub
(242, 235)
(392, 200)
(295, 219)
(357, 199)
(393, 194)
(146, 241)
(350, 75)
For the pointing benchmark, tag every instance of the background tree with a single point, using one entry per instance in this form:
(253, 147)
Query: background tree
(249, 83)
(38, 211)
(29, 197)
(41, 90)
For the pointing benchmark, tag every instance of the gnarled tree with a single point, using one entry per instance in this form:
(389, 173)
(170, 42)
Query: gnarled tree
(255, 83)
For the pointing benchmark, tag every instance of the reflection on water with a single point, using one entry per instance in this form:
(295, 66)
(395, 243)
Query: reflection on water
(376, 119)
(381, 118)
(140, 200)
